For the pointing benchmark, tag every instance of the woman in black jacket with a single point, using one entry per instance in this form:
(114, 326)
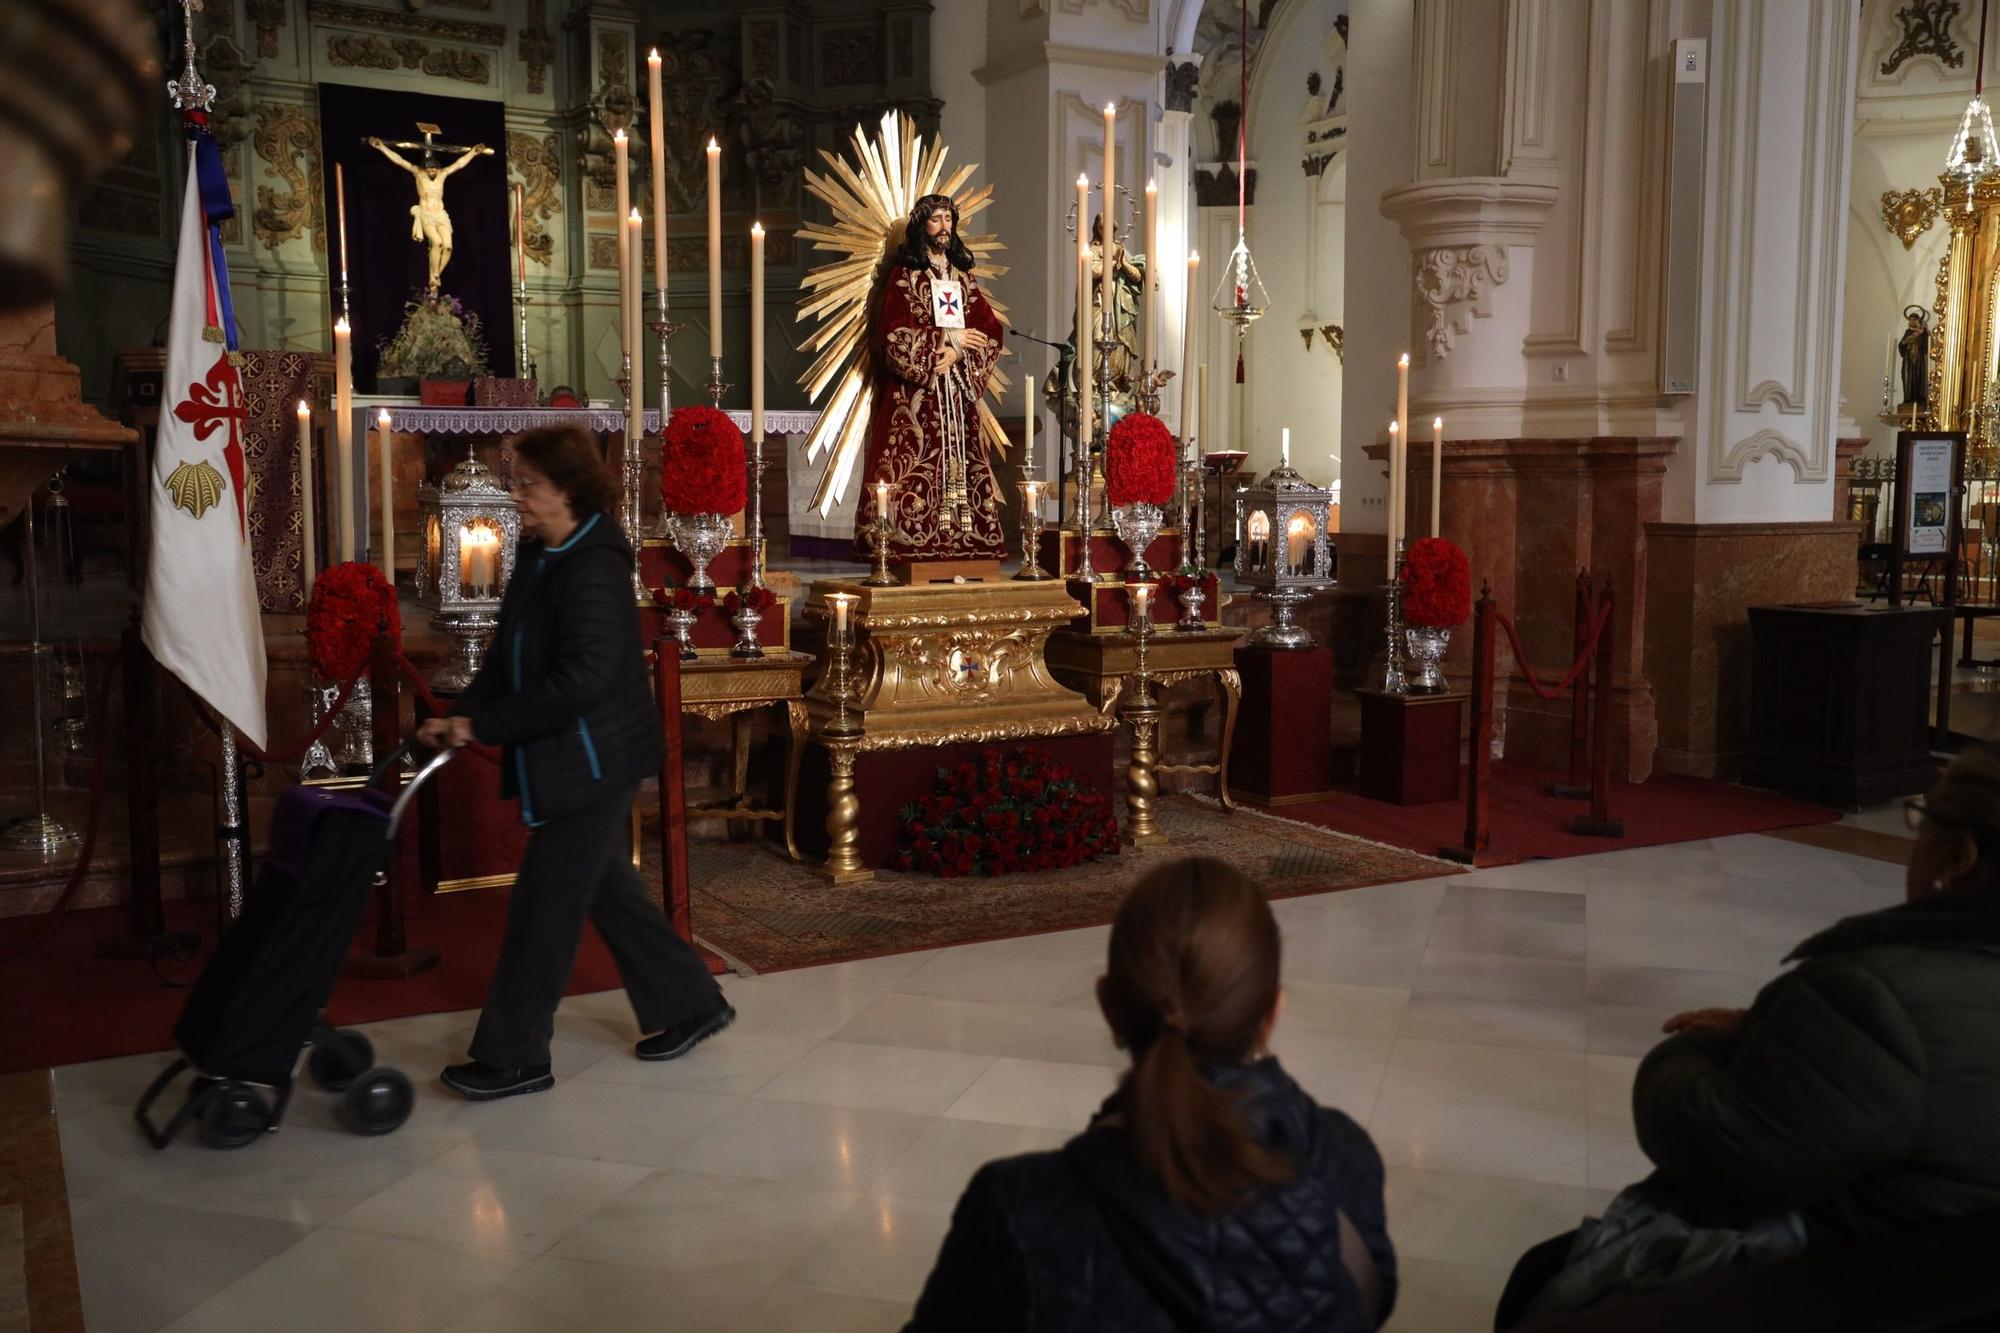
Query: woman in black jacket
(563, 692)
(1210, 1192)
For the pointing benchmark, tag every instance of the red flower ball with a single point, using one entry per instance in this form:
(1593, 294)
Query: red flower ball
(351, 603)
(1139, 461)
(1437, 585)
(701, 463)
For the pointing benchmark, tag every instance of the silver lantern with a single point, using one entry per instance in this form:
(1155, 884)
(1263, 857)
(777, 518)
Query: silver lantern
(1282, 550)
(471, 526)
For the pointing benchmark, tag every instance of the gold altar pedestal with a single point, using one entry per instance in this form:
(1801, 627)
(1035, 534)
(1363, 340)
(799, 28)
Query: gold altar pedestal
(945, 664)
(1097, 665)
(1965, 339)
(720, 687)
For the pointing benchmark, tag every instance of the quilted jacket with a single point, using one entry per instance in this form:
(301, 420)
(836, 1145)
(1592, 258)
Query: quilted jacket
(563, 689)
(1081, 1239)
(1863, 1087)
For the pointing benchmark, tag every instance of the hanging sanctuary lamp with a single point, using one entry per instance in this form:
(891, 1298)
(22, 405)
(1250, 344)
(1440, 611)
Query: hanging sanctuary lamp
(1975, 154)
(1240, 297)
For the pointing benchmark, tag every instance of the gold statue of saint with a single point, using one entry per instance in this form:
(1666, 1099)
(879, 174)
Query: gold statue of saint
(429, 222)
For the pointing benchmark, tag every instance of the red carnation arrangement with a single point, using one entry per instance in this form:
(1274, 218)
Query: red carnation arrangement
(701, 464)
(1011, 811)
(350, 603)
(757, 599)
(1139, 462)
(1437, 585)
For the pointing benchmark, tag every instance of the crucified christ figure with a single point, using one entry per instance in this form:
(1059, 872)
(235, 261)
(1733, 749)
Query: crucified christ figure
(428, 220)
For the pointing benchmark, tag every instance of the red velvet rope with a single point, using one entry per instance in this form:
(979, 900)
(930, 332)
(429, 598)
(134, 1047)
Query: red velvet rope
(409, 669)
(1575, 668)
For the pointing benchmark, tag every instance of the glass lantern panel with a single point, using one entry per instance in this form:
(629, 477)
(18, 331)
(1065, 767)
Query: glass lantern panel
(478, 559)
(433, 547)
(1300, 530)
(1260, 541)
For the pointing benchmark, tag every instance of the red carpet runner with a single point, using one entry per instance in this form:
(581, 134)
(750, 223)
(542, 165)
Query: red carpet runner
(1528, 823)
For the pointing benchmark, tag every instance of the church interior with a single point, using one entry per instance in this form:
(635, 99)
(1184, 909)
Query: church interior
(1515, 481)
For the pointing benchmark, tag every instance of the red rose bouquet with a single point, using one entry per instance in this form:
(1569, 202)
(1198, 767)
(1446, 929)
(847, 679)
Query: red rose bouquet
(670, 598)
(1437, 585)
(350, 604)
(757, 599)
(1139, 462)
(1009, 811)
(701, 464)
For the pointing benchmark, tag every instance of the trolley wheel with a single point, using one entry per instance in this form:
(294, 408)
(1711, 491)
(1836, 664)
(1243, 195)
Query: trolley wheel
(378, 1102)
(232, 1115)
(337, 1062)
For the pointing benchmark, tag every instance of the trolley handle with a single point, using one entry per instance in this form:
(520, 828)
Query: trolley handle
(410, 789)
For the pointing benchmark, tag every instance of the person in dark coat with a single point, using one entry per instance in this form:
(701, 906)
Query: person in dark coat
(563, 692)
(1861, 1090)
(1210, 1192)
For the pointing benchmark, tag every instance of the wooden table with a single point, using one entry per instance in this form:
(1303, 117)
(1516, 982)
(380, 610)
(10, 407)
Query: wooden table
(1098, 665)
(734, 688)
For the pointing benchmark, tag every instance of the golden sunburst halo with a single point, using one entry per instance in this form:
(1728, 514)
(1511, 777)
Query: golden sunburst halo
(871, 198)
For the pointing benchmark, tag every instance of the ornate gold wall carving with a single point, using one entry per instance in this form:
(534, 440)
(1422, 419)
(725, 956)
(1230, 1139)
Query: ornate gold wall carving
(537, 49)
(355, 51)
(336, 13)
(1908, 214)
(349, 50)
(287, 139)
(268, 16)
(539, 166)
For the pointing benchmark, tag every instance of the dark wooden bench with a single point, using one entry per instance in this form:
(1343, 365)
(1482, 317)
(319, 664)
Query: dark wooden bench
(1939, 1278)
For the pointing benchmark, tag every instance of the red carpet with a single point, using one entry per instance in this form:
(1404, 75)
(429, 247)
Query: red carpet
(61, 1003)
(1528, 824)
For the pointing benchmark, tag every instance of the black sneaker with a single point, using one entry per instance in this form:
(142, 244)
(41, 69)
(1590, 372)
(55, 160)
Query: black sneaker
(477, 1082)
(678, 1040)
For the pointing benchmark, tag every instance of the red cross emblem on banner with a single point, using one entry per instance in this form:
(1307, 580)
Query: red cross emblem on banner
(948, 303)
(216, 403)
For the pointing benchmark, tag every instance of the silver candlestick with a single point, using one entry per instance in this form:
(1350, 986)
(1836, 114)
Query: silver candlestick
(664, 329)
(1031, 533)
(634, 470)
(1393, 681)
(716, 386)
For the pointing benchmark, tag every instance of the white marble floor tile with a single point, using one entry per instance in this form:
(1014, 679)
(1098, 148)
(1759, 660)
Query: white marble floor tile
(1476, 1075)
(142, 1265)
(1499, 977)
(1481, 1221)
(1331, 1006)
(978, 1027)
(342, 1279)
(684, 1221)
(1626, 1029)
(1332, 960)
(942, 1162)
(120, 1079)
(1508, 936)
(789, 1308)
(608, 1122)
(1340, 1069)
(835, 1146)
(1507, 1142)
(1519, 1023)
(735, 1064)
(550, 1293)
(1669, 990)
(1464, 899)
(481, 1196)
(877, 1078)
(1609, 1079)
(1440, 1297)
(962, 974)
(1035, 1092)
(884, 1249)
(778, 1008)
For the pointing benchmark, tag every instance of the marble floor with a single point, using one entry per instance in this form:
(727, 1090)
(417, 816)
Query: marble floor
(798, 1172)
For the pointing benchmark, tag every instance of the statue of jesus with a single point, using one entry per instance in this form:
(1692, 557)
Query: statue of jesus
(429, 222)
(939, 342)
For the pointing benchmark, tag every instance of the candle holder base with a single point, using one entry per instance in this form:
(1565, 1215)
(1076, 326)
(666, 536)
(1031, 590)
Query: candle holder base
(716, 385)
(683, 625)
(472, 633)
(1192, 597)
(878, 537)
(41, 834)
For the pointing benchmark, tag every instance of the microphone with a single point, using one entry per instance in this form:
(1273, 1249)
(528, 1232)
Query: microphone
(1067, 349)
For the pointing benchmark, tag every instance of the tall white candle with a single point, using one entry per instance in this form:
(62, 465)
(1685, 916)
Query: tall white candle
(658, 124)
(343, 431)
(1395, 493)
(1437, 469)
(1187, 350)
(1027, 426)
(1110, 179)
(387, 488)
(1083, 341)
(714, 248)
(620, 151)
(756, 331)
(1285, 446)
(308, 556)
(840, 601)
(1149, 352)
(635, 267)
(340, 199)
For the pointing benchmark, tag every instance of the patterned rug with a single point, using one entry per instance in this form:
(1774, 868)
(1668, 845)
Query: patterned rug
(766, 914)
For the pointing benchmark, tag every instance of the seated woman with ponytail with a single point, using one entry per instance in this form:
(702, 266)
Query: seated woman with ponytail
(1209, 1192)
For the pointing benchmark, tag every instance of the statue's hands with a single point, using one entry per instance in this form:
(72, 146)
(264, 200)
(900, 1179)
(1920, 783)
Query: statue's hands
(972, 340)
(949, 359)
(484, 151)
(374, 142)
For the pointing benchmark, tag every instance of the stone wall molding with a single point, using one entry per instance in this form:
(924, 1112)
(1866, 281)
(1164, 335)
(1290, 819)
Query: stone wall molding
(335, 13)
(1458, 230)
(287, 139)
(1808, 465)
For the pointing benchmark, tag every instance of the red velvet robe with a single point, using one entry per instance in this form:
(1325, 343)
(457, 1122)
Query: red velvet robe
(922, 427)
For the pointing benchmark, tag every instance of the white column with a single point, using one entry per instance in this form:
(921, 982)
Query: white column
(1765, 414)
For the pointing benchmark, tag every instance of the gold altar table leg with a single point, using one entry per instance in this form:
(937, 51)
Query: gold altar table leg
(800, 721)
(1232, 694)
(739, 786)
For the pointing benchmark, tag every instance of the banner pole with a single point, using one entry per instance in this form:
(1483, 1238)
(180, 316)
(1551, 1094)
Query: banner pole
(233, 830)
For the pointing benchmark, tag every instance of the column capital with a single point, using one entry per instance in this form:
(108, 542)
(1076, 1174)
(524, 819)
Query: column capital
(1468, 210)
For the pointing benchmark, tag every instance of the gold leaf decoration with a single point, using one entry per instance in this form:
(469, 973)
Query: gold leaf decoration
(1908, 214)
(196, 487)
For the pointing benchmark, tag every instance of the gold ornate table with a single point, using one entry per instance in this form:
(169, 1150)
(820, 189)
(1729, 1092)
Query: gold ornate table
(1098, 665)
(734, 688)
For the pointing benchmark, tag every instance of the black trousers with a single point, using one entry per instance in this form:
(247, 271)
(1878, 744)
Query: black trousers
(578, 866)
(1532, 1271)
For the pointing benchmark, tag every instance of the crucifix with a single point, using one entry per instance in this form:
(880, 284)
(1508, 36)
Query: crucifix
(429, 222)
